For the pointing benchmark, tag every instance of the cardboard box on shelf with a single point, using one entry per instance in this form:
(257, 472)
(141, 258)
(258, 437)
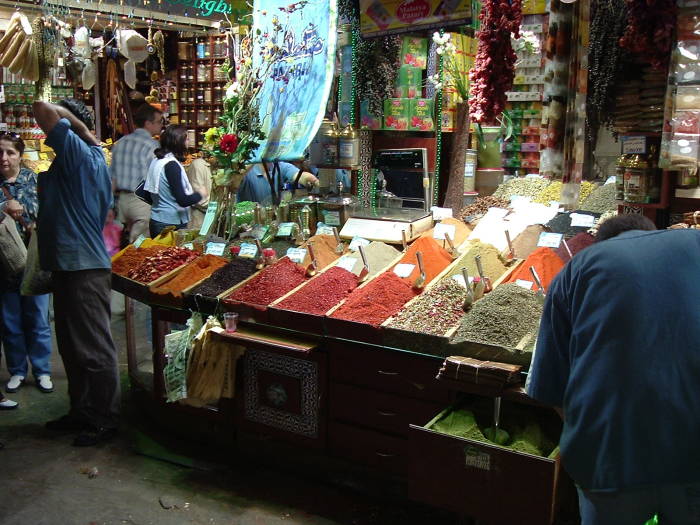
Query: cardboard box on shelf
(396, 113)
(414, 51)
(367, 119)
(422, 114)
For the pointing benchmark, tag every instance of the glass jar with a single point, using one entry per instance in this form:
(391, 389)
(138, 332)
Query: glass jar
(620, 178)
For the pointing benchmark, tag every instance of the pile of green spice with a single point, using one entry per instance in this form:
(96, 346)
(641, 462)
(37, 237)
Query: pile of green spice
(377, 301)
(434, 312)
(225, 278)
(502, 317)
(321, 293)
(270, 284)
(524, 187)
(378, 254)
(491, 261)
(602, 200)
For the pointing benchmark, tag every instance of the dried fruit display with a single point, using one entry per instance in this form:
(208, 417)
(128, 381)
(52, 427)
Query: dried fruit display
(494, 67)
(161, 263)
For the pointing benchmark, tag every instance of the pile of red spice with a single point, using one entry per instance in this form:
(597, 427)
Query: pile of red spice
(322, 293)
(270, 284)
(162, 262)
(577, 243)
(435, 259)
(192, 273)
(376, 302)
(547, 265)
(132, 257)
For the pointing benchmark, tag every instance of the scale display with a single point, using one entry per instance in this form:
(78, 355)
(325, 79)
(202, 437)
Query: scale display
(404, 171)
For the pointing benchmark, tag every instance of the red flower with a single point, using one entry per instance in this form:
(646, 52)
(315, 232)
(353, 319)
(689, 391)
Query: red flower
(229, 143)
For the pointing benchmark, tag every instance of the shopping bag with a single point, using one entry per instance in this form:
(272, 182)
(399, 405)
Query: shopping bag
(13, 253)
(35, 281)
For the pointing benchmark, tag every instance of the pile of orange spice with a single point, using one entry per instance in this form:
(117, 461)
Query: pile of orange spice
(547, 264)
(192, 273)
(435, 259)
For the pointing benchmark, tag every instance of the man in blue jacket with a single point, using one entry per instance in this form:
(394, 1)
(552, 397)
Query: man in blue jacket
(619, 352)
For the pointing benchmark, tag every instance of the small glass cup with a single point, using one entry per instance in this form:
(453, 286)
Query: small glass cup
(230, 321)
(181, 237)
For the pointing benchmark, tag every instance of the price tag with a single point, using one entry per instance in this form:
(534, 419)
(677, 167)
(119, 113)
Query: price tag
(285, 229)
(209, 218)
(332, 218)
(460, 279)
(248, 250)
(441, 229)
(324, 230)
(404, 270)
(611, 180)
(357, 242)
(139, 240)
(215, 248)
(188, 245)
(441, 213)
(550, 240)
(296, 255)
(634, 145)
(347, 263)
(259, 231)
(580, 219)
(524, 284)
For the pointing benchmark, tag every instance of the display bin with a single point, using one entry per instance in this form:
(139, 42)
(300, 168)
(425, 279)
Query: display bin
(488, 352)
(486, 482)
(133, 289)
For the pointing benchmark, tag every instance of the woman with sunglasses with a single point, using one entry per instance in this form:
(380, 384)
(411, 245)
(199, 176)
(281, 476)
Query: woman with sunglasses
(24, 320)
(167, 184)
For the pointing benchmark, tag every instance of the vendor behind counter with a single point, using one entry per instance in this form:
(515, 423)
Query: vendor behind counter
(257, 187)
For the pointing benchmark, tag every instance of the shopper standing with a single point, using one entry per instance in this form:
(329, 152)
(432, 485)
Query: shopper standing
(619, 352)
(199, 175)
(131, 156)
(24, 320)
(74, 196)
(167, 184)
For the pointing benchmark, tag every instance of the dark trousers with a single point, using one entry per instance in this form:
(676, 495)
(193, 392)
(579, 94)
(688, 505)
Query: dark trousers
(83, 332)
(155, 227)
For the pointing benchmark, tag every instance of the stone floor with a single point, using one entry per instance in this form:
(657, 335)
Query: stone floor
(47, 481)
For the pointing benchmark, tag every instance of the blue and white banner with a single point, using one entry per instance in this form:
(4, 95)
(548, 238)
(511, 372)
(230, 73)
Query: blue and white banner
(294, 96)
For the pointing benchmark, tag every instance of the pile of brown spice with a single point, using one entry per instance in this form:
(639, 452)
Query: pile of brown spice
(481, 205)
(132, 257)
(324, 249)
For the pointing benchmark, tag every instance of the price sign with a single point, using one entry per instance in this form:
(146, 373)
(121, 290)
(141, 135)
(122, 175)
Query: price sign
(188, 245)
(459, 278)
(524, 284)
(441, 229)
(331, 218)
(357, 242)
(324, 230)
(139, 240)
(441, 213)
(550, 240)
(296, 255)
(346, 263)
(215, 248)
(248, 250)
(209, 218)
(634, 145)
(404, 270)
(611, 180)
(581, 219)
(285, 229)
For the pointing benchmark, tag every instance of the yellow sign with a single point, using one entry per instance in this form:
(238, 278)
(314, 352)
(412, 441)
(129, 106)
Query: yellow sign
(383, 17)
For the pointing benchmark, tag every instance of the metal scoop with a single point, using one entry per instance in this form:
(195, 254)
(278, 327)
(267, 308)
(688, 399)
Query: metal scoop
(452, 250)
(260, 263)
(403, 240)
(494, 433)
(312, 268)
(365, 265)
(469, 298)
(419, 283)
(484, 279)
(538, 282)
(568, 250)
(340, 247)
(511, 252)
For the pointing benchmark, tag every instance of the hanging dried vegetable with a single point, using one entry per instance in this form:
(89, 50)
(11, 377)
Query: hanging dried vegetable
(377, 68)
(649, 31)
(494, 67)
(608, 22)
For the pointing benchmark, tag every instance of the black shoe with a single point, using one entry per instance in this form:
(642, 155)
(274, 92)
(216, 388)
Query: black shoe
(66, 423)
(93, 436)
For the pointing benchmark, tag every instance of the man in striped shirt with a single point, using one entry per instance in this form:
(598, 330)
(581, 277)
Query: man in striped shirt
(131, 156)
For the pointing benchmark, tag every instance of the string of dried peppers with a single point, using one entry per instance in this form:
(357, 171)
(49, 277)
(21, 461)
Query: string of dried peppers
(649, 32)
(494, 67)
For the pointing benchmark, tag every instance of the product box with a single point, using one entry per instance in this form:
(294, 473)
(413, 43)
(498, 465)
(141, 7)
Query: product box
(367, 119)
(414, 51)
(396, 113)
(448, 120)
(409, 82)
(422, 114)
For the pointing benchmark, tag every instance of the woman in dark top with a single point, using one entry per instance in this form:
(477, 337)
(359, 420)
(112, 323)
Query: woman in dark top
(167, 183)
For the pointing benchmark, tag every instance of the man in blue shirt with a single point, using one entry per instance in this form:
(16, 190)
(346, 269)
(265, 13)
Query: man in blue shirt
(256, 185)
(74, 196)
(619, 352)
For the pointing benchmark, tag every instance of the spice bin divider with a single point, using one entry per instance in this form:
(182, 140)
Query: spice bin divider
(209, 305)
(302, 321)
(354, 330)
(169, 299)
(437, 345)
(246, 312)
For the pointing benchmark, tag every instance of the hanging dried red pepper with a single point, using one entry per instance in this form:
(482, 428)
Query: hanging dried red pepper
(494, 67)
(649, 32)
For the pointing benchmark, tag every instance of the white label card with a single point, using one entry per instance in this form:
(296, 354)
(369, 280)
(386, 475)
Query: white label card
(209, 218)
(357, 242)
(139, 241)
(441, 229)
(324, 230)
(296, 255)
(248, 250)
(404, 270)
(581, 219)
(188, 245)
(441, 213)
(634, 145)
(611, 180)
(460, 279)
(347, 263)
(285, 229)
(331, 218)
(550, 240)
(215, 248)
(524, 284)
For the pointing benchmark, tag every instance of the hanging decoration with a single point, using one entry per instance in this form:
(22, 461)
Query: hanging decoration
(649, 31)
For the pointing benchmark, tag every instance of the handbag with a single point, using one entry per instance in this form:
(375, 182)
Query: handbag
(13, 253)
(35, 281)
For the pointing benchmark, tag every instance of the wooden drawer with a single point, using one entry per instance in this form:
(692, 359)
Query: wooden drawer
(483, 481)
(374, 449)
(377, 410)
(391, 371)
